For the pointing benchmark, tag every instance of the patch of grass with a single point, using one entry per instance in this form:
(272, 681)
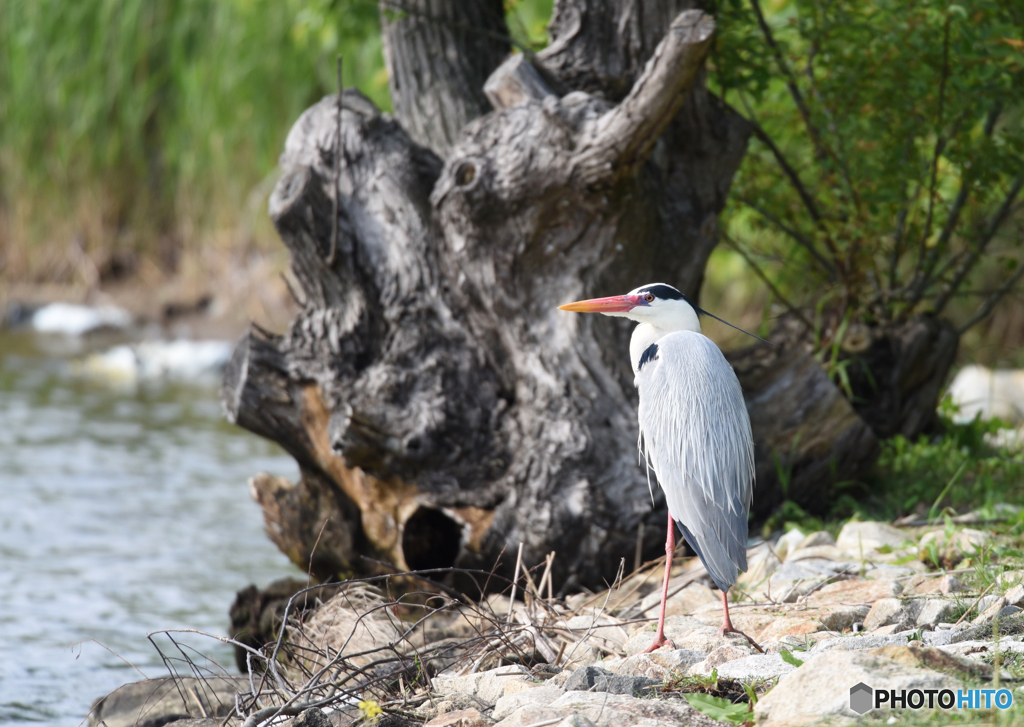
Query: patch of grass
(956, 470)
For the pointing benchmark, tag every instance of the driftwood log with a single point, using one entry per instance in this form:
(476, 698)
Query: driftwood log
(440, 408)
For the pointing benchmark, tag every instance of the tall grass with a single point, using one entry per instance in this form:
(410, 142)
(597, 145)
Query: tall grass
(134, 123)
(149, 126)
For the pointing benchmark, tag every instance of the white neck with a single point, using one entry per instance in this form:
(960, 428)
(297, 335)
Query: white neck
(646, 333)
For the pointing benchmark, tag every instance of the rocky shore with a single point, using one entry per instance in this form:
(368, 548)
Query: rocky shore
(929, 607)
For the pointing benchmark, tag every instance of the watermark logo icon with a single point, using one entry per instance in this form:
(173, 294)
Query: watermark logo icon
(860, 697)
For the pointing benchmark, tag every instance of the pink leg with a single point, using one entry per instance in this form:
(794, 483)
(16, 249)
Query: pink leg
(727, 624)
(670, 546)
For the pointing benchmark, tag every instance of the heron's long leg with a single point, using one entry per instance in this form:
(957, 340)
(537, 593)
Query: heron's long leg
(727, 624)
(670, 547)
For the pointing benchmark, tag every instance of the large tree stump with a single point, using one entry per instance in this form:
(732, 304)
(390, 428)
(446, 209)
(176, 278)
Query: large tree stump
(439, 406)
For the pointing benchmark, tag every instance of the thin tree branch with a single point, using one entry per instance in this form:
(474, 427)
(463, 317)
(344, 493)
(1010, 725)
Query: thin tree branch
(972, 258)
(794, 90)
(787, 168)
(993, 299)
(952, 219)
(940, 144)
(771, 286)
(797, 237)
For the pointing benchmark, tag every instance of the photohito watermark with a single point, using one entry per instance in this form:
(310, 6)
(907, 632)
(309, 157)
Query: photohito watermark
(864, 698)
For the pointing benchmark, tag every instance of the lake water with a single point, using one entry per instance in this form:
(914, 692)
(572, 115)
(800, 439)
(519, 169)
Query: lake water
(123, 510)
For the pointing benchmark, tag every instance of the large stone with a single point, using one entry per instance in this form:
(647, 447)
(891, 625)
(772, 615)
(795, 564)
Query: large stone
(788, 543)
(992, 610)
(934, 611)
(761, 563)
(596, 679)
(1015, 596)
(656, 665)
(793, 625)
(686, 631)
(608, 710)
(843, 618)
(157, 702)
(861, 642)
(600, 631)
(978, 650)
(810, 569)
(863, 540)
(853, 592)
(826, 552)
(757, 667)
(820, 689)
(538, 697)
(683, 603)
(487, 686)
(460, 718)
(819, 537)
(890, 611)
(934, 658)
(722, 655)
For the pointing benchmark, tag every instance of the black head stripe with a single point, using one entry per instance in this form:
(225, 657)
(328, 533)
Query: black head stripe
(665, 292)
(650, 353)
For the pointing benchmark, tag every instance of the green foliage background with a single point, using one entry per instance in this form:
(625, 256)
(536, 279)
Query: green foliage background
(146, 124)
(125, 122)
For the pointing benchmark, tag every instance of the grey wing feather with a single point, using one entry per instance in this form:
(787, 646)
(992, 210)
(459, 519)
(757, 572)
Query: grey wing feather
(695, 435)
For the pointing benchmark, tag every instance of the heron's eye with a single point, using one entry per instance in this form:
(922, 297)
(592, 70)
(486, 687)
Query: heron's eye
(649, 298)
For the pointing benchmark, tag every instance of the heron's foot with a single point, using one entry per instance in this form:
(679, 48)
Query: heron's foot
(730, 630)
(658, 642)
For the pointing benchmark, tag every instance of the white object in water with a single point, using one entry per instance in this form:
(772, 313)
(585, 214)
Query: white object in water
(978, 390)
(77, 320)
(153, 360)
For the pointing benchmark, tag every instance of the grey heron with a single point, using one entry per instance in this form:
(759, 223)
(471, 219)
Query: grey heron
(694, 432)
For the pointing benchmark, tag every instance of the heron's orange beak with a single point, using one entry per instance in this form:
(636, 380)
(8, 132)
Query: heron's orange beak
(612, 304)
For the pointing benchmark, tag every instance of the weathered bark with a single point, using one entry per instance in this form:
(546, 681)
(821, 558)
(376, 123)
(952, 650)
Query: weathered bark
(439, 53)
(806, 433)
(897, 373)
(440, 407)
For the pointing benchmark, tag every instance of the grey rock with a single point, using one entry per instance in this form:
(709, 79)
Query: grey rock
(820, 689)
(1012, 624)
(985, 602)
(595, 679)
(821, 537)
(861, 642)
(608, 710)
(755, 668)
(890, 611)
(158, 702)
(938, 638)
(686, 632)
(974, 649)
(312, 718)
(1015, 596)
(656, 665)
(841, 618)
(856, 538)
(537, 697)
(933, 611)
(487, 686)
(722, 655)
(989, 610)
(950, 584)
